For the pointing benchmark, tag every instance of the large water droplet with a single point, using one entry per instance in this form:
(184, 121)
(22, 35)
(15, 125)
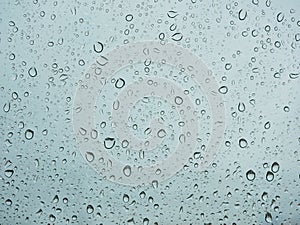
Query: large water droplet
(89, 209)
(275, 167)
(223, 89)
(32, 72)
(8, 173)
(270, 176)
(178, 100)
(250, 175)
(109, 142)
(29, 134)
(268, 217)
(243, 143)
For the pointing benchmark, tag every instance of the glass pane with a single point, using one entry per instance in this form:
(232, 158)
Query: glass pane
(149, 112)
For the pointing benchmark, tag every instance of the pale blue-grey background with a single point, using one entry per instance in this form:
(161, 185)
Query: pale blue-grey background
(51, 182)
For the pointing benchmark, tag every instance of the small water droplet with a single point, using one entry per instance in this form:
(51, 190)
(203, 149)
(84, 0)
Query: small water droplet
(6, 107)
(55, 199)
(32, 72)
(161, 133)
(267, 125)
(127, 170)
(241, 107)
(98, 47)
(125, 198)
(178, 100)
(142, 194)
(89, 156)
(264, 196)
(228, 66)
(155, 184)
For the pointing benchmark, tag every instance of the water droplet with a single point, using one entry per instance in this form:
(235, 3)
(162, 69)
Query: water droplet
(173, 27)
(178, 100)
(250, 175)
(264, 196)
(81, 62)
(228, 66)
(294, 75)
(125, 143)
(242, 14)
(55, 199)
(12, 56)
(8, 173)
(223, 89)
(177, 37)
(182, 138)
(29, 134)
(269, 176)
(89, 156)
(275, 167)
(52, 218)
(161, 36)
(82, 131)
(94, 134)
(172, 14)
(98, 47)
(120, 83)
(109, 143)
(129, 17)
(146, 221)
(125, 198)
(268, 217)
(241, 107)
(155, 184)
(116, 105)
(127, 170)
(32, 72)
(89, 209)
(267, 125)
(280, 17)
(8, 202)
(6, 107)
(142, 194)
(161, 133)
(243, 143)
